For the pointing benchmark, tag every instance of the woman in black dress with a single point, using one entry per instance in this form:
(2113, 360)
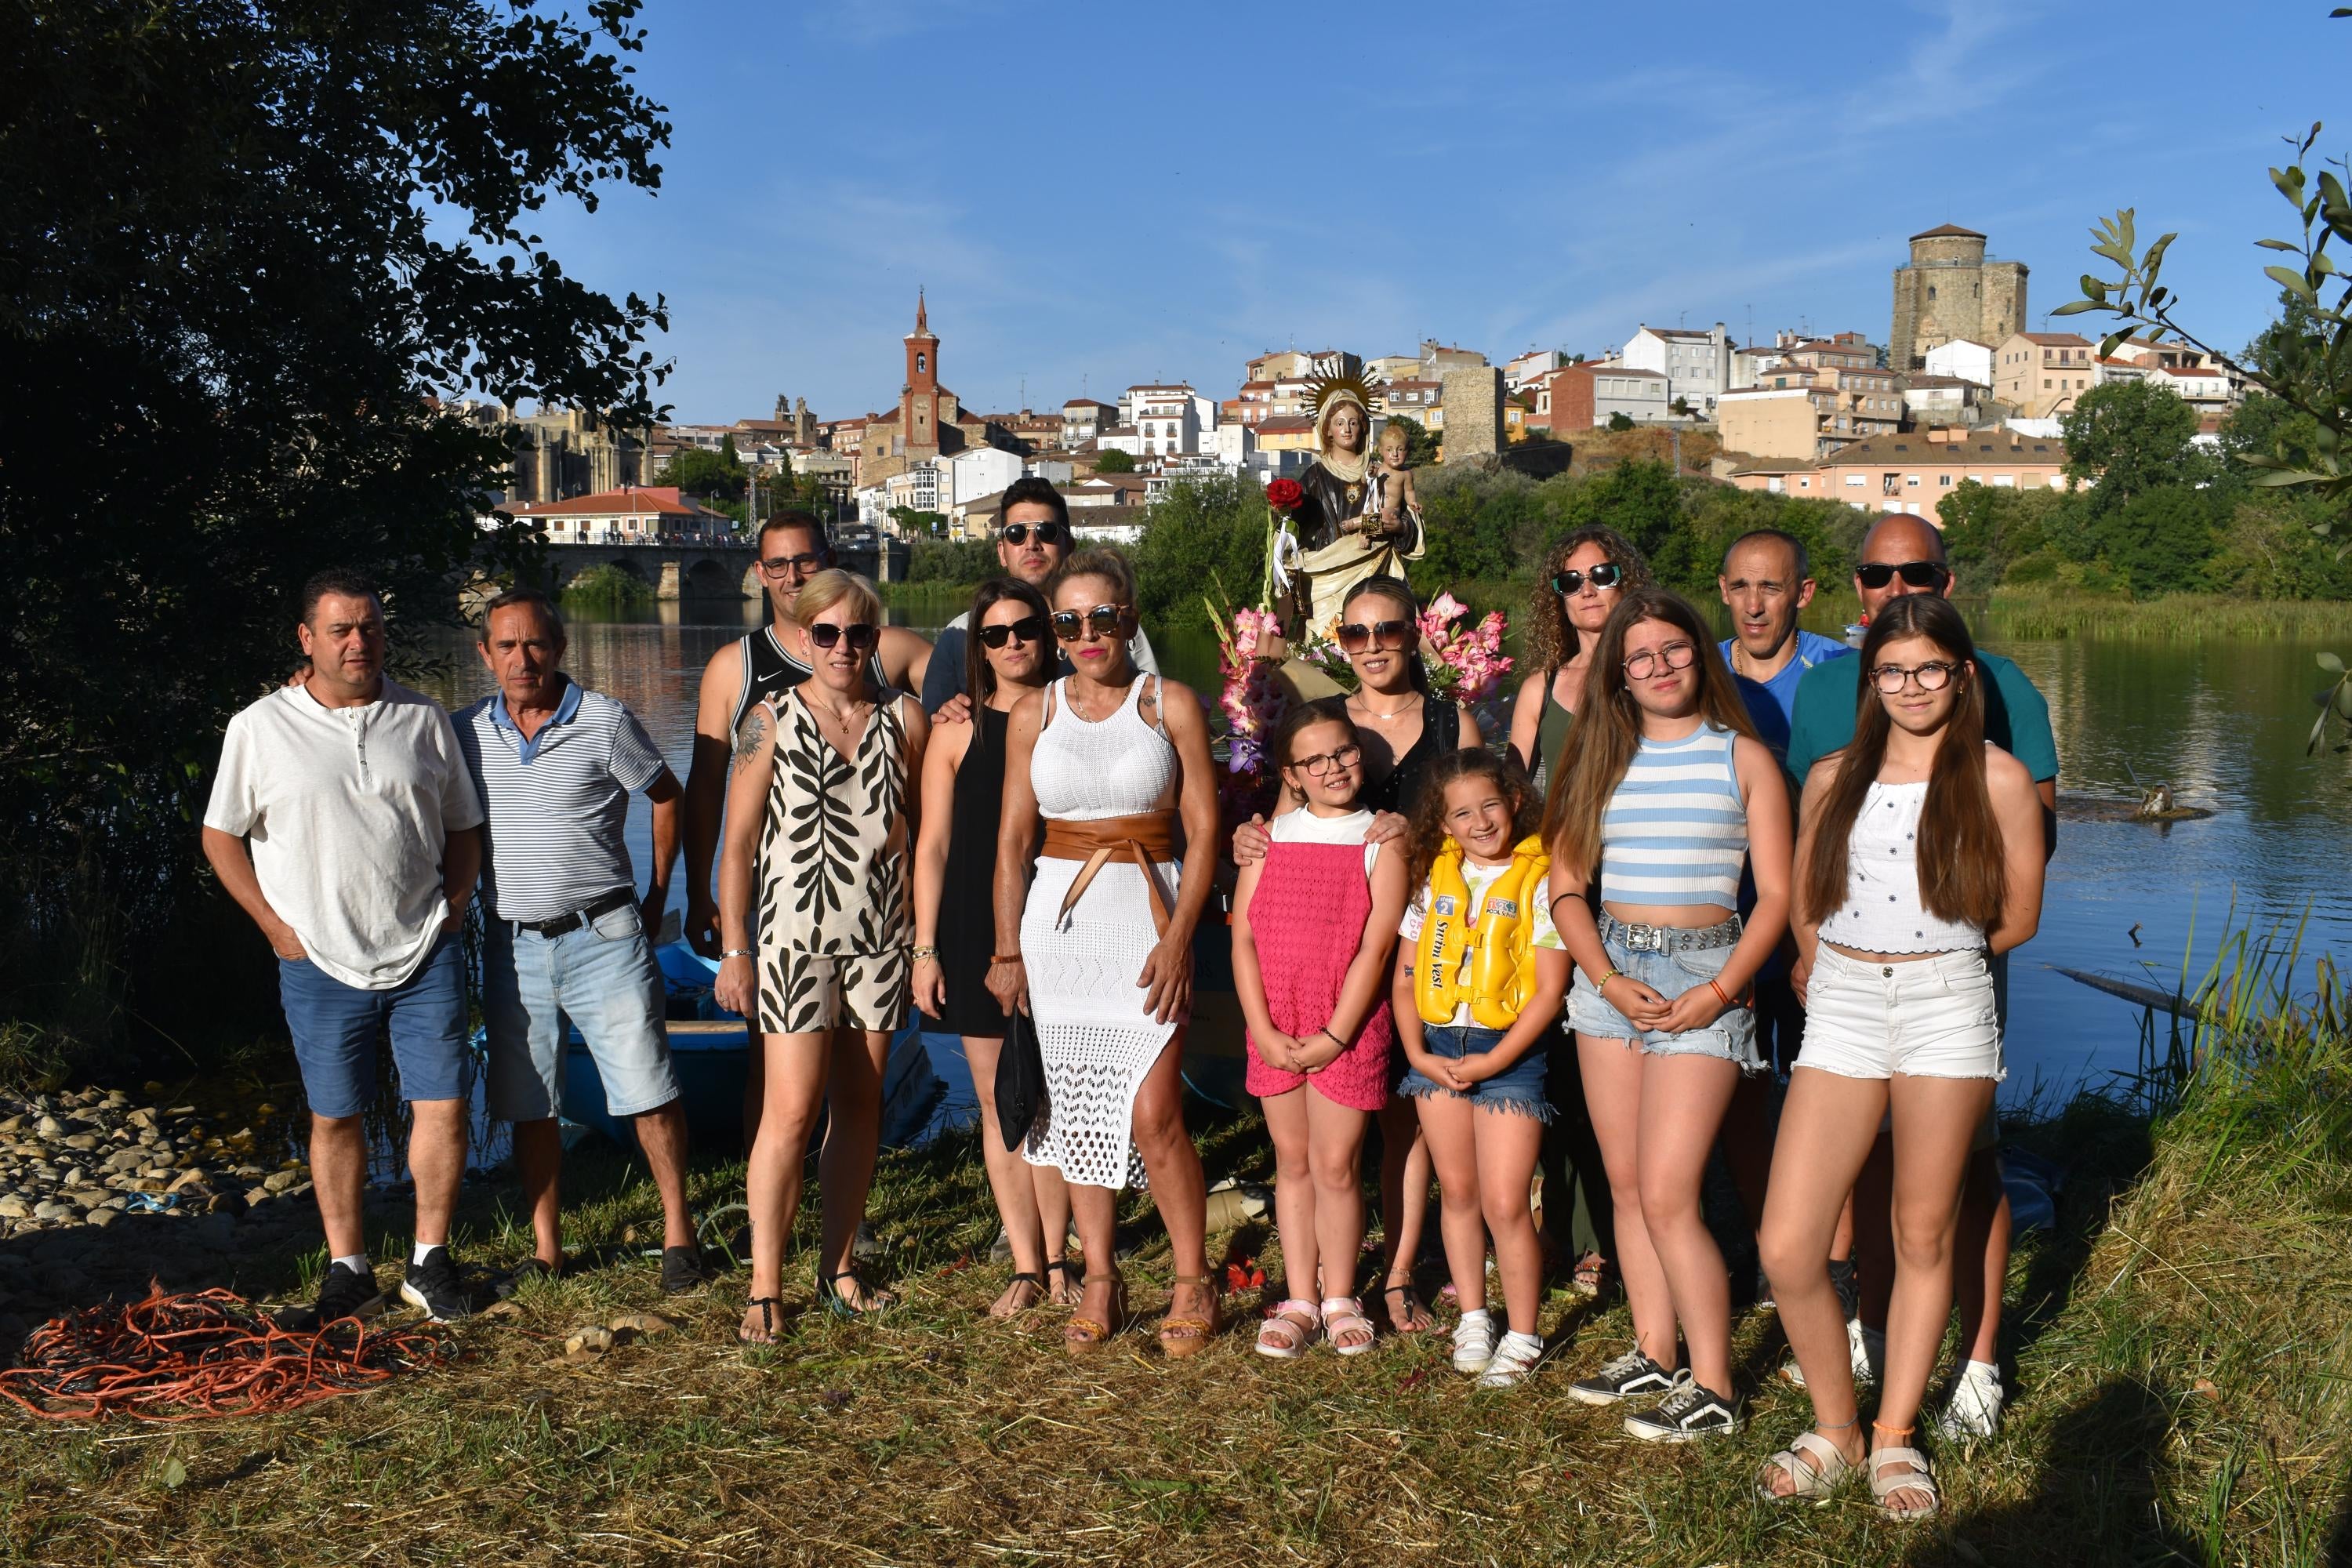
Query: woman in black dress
(955, 875)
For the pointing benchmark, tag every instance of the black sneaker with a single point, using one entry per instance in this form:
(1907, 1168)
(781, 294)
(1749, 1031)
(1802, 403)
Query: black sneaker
(434, 1288)
(1685, 1414)
(682, 1272)
(1631, 1377)
(1848, 1289)
(345, 1293)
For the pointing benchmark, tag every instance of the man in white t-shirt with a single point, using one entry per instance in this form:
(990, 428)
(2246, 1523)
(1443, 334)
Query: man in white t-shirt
(344, 820)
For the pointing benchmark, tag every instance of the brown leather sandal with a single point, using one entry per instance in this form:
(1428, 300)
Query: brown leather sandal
(1188, 1336)
(1084, 1335)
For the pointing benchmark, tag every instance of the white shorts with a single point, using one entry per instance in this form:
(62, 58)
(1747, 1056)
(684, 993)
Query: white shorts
(1931, 1018)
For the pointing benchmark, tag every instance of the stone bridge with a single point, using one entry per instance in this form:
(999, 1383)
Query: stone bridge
(703, 570)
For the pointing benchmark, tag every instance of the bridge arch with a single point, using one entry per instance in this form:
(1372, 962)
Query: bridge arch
(707, 577)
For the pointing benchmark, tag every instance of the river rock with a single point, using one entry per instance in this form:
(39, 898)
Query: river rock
(50, 1125)
(14, 1206)
(584, 1343)
(255, 1196)
(184, 1180)
(82, 1141)
(14, 1123)
(52, 1209)
(102, 1217)
(278, 1181)
(87, 1197)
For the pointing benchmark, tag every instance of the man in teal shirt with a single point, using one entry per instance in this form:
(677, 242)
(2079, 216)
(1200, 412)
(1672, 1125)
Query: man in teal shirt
(1903, 555)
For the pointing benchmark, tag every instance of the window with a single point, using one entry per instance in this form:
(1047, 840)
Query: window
(2045, 383)
(1944, 480)
(1911, 481)
(1853, 481)
(2004, 481)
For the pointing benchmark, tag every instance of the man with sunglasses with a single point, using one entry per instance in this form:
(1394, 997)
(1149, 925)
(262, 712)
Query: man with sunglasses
(1903, 555)
(793, 547)
(1033, 539)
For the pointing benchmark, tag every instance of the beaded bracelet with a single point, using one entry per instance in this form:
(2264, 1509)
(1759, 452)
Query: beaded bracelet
(1603, 984)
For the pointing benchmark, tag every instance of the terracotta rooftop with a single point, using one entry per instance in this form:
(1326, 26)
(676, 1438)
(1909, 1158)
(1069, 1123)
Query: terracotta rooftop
(664, 500)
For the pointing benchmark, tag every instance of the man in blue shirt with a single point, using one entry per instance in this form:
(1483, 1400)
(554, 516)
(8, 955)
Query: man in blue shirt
(1767, 581)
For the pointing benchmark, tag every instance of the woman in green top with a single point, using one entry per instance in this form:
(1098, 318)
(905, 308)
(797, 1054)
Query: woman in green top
(1590, 569)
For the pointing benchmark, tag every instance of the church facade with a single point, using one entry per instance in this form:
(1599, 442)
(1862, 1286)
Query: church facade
(928, 423)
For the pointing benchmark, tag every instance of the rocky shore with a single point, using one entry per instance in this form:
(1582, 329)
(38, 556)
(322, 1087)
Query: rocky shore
(100, 1192)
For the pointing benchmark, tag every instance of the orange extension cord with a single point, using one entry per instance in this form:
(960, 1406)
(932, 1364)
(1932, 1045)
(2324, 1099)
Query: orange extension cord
(202, 1354)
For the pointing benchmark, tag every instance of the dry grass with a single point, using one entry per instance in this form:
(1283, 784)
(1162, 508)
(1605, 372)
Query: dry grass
(939, 1436)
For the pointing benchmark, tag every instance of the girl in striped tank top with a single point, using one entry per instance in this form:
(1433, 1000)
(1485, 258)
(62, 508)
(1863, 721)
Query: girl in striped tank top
(1664, 793)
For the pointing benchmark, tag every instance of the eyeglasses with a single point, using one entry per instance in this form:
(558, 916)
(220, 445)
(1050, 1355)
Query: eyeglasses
(862, 635)
(1876, 575)
(1933, 676)
(1355, 637)
(1028, 629)
(798, 565)
(1047, 533)
(1644, 663)
(1608, 575)
(1105, 619)
(1317, 766)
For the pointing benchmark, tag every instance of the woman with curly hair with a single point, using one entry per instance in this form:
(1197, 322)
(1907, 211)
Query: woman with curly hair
(1590, 571)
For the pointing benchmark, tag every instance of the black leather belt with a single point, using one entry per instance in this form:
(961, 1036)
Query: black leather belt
(618, 898)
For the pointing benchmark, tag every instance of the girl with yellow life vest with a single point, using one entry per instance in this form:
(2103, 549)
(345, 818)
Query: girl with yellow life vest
(1476, 997)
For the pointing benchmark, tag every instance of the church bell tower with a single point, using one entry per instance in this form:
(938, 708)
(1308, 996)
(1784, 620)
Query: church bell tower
(920, 399)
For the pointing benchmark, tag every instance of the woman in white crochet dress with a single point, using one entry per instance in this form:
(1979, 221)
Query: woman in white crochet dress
(1097, 948)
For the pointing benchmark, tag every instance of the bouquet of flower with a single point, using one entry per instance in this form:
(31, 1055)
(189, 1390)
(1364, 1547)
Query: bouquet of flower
(1252, 703)
(1465, 663)
(1283, 499)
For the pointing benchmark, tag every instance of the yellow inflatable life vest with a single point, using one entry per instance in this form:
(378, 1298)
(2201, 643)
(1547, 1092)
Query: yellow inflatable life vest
(1502, 968)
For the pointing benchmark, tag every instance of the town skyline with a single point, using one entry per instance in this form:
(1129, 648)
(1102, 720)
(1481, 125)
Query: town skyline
(1765, 175)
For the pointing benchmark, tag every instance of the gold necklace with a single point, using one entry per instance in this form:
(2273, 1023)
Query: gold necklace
(1373, 713)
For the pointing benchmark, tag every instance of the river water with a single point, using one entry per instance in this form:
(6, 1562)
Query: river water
(2222, 721)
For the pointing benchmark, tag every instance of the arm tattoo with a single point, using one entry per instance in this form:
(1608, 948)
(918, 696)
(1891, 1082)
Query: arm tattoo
(747, 738)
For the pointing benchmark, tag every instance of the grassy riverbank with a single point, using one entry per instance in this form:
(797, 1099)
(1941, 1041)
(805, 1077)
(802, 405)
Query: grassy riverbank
(2183, 1341)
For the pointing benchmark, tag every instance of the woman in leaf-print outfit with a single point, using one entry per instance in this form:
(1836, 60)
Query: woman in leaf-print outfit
(820, 791)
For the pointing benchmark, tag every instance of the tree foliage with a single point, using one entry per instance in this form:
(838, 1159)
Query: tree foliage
(1114, 461)
(250, 248)
(2129, 437)
(714, 476)
(1200, 536)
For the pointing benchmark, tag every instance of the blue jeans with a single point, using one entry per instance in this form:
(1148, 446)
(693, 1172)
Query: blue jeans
(600, 977)
(335, 1028)
(1517, 1087)
(1732, 1036)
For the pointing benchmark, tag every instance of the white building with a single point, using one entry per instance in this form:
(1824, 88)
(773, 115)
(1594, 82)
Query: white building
(1169, 420)
(1696, 365)
(975, 471)
(1531, 367)
(636, 514)
(1964, 359)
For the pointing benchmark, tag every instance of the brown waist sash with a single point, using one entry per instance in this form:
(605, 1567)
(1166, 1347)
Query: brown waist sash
(1144, 838)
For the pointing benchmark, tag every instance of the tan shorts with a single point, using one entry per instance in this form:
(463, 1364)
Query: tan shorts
(802, 992)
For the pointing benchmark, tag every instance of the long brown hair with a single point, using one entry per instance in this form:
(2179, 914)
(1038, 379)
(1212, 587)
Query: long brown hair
(1551, 641)
(1963, 874)
(1428, 831)
(1609, 723)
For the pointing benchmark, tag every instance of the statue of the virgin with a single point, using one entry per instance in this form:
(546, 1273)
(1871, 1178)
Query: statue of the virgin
(1341, 537)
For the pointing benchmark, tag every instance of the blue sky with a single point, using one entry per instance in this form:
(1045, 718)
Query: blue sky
(1104, 195)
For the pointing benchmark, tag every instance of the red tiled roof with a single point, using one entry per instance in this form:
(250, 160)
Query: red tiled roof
(1948, 230)
(664, 500)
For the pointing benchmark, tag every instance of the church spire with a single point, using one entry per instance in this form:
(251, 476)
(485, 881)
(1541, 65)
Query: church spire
(922, 322)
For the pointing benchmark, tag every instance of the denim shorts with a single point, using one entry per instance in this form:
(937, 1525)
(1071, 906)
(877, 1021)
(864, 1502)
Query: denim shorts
(336, 1027)
(1518, 1088)
(600, 976)
(1731, 1036)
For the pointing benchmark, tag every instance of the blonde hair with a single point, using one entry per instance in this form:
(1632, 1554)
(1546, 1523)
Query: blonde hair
(834, 586)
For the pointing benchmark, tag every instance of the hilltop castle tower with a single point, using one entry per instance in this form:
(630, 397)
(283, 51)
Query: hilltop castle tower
(1950, 290)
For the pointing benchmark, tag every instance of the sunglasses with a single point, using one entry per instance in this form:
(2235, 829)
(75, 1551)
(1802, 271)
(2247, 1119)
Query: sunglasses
(1355, 637)
(1608, 575)
(777, 565)
(1644, 663)
(1917, 574)
(1028, 629)
(861, 635)
(1047, 533)
(1105, 620)
(1933, 676)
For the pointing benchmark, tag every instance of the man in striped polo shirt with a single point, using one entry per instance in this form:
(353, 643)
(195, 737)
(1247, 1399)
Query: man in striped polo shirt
(569, 937)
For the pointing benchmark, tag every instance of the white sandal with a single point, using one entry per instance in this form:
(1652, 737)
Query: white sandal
(1913, 1476)
(1345, 1315)
(1283, 1337)
(1815, 1480)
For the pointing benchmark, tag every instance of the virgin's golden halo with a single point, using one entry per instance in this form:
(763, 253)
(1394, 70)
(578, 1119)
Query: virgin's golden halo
(1321, 389)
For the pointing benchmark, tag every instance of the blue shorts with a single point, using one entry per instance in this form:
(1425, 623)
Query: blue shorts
(600, 976)
(1731, 1036)
(336, 1027)
(1518, 1088)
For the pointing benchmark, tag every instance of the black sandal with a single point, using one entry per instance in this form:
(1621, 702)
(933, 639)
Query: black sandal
(879, 1300)
(1402, 1321)
(1070, 1272)
(1036, 1279)
(768, 1306)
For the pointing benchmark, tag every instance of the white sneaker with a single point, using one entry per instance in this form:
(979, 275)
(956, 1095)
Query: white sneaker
(1867, 1347)
(1474, 1344)
(1974, 1408)
(1515, 1356)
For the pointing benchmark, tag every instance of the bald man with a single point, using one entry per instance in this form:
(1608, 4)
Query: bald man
(1903, 555)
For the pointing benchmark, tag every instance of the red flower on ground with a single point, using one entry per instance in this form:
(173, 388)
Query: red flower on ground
(1284, 495)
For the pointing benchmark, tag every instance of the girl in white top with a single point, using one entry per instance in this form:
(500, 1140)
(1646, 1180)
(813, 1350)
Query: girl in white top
(1920, 854)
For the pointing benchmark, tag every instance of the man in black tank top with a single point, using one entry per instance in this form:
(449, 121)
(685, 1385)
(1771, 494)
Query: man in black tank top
(793, 547)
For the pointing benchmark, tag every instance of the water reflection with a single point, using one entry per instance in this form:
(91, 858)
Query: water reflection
(2222, 723)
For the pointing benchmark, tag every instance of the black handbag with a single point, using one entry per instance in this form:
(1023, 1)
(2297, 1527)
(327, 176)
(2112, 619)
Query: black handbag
(1020, 1080)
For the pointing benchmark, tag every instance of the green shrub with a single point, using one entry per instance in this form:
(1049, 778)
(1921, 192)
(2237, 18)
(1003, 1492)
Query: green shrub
(1201, 536)
(609, 583)
(953, 561)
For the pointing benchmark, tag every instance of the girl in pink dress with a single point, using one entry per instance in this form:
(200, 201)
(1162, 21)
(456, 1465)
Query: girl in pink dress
(1314, 929)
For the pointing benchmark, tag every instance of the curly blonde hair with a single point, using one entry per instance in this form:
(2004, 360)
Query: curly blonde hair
(1551, 641)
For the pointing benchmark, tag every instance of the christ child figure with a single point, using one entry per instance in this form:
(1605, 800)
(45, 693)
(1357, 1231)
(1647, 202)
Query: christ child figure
(1391, 478)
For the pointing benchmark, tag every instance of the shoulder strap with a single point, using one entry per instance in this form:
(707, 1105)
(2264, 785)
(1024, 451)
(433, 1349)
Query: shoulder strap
(1053, 689)
(1159, 709)
(1442, 719)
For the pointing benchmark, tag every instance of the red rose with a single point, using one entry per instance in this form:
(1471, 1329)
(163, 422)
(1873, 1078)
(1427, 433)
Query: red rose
(1284, 495)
